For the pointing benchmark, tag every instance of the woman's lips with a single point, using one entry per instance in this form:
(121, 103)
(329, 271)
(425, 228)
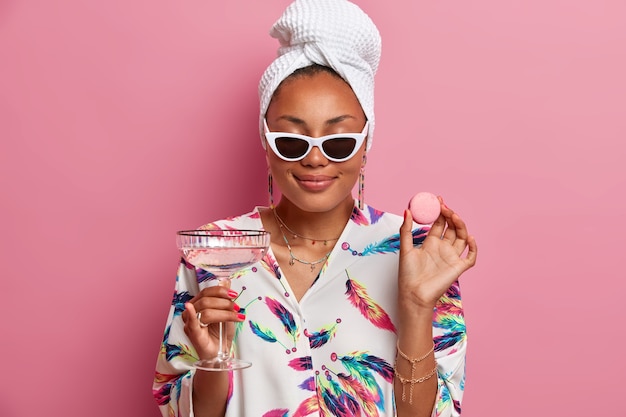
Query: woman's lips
(315, 182)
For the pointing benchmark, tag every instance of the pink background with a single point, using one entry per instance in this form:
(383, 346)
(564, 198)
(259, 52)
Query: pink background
(121, 122)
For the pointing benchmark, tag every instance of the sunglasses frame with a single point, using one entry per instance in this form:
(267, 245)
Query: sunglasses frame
(271, 137)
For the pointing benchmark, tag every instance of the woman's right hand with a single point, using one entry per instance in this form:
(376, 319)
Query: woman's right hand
(215, 304)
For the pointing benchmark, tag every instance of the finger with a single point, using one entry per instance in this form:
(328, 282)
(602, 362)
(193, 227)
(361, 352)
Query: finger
(214, 303)
(221, 291)
(472, 252)
(436, 230)
(190, 318)
(439, 225)
(450, 233)
(406, 235)
(462, 234)
(445, 210)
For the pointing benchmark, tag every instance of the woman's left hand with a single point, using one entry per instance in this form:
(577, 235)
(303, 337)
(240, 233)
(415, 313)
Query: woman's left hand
(426, 272)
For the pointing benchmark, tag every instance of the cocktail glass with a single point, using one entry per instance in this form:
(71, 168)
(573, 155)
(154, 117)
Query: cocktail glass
(222, 252)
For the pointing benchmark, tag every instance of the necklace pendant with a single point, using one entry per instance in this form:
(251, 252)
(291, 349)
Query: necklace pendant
(325, 243)
(312, 267)
(291, 261)
(313, 243)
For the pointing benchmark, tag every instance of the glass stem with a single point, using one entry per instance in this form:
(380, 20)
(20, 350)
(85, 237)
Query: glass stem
(223, 353)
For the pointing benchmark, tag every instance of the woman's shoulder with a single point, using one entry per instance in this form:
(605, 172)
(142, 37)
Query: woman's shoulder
(249, 220)
(370, 216)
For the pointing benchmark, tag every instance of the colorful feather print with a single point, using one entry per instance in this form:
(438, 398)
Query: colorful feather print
(178, 351)
(203, 275)
(391, 244)
(355, 393)
(448, 320)
(320, 338)
(333, 401)
(358, 217)
(285, 317)
(162, 395)
(279, 412)
(375, 215)
(373, 362)
(179, 300)
(186, 264)
(448, 340)
(361, 371)
(358, 391)
(270, 264)
(444, 400)
(303, 363)
(308, 384)
(264, 333)
(450, 301)
(358, 297)
(307, 407)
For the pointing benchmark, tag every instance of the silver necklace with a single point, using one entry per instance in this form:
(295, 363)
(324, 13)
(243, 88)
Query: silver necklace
(282, 225)
(292, 257)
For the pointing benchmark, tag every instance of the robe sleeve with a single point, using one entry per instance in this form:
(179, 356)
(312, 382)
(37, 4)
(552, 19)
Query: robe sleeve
(174, 373)
(450, 340)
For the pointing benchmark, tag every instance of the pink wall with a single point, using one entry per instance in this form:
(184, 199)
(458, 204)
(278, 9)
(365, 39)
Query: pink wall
(120, 123)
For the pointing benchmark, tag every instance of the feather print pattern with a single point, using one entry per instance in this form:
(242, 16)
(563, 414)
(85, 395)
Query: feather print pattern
(178, 351)
(301, 364)
(359, 298)
(179, 300)
(320, 338)
(375, 215)
(307, 407)
(358, 217)
(162, 395)
(308, 384)
(391, 244)
(263, 333)
(270, 264)
(285, 317)
(354, 393)
(202, 275)
(329, 369)
(277, 413)
(448, 316)
(333, 400)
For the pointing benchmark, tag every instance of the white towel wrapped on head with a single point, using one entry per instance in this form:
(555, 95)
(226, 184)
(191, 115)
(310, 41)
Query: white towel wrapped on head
(333, 33)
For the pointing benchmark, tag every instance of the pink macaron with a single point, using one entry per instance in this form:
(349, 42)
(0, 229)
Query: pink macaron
(425, 208)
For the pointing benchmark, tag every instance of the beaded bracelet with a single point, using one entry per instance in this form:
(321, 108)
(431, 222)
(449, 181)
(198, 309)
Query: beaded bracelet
(413, 381)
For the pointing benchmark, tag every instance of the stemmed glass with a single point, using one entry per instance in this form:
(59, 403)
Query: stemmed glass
(222, 252)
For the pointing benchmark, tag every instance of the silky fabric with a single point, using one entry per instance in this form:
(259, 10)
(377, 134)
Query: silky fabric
(332, 353)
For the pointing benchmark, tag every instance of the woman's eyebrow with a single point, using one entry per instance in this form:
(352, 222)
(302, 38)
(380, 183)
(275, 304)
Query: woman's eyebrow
(339, 119)
(297, 121)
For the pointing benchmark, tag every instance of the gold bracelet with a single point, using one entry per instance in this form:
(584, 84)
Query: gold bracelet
(412, 381)
(414, 361)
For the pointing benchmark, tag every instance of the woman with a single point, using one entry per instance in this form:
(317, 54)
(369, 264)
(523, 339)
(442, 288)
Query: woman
(337, 319)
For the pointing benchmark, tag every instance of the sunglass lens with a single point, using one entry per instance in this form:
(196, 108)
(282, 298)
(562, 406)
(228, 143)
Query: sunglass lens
(291, 147)
(339, 148)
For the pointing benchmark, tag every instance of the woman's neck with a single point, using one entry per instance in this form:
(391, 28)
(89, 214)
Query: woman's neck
(321, 226)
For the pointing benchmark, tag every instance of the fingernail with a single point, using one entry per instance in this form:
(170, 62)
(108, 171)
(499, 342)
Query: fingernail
(241, 317)
(236, 307)
(232, 294)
